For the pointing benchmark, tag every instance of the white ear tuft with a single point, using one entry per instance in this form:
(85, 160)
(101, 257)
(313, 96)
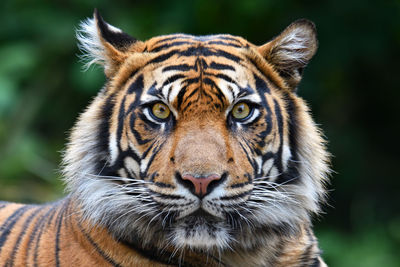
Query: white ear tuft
(295, 46)
(291, 51)
(90, 44)
(103, 44)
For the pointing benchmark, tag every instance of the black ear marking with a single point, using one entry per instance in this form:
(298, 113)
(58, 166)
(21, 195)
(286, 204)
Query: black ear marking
(114, 36)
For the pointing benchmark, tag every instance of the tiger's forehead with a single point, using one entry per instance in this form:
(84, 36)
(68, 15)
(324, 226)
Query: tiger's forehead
(164, 42)
(207, 71)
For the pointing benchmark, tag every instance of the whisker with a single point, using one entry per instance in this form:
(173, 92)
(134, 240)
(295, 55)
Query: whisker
(118, 178)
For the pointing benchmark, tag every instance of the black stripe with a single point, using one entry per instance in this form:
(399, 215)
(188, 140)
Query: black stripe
(180, 67)
(239, 195)
(192, 94)
(170, 196)
(196, 51)
(152, 91)
(35, 231)
(47, 219)
(169, 45)
(255, 64)
(180, 96)
(245, 91)
(278, 155)
(267, 156)
(164, 57)
(174, 37)
(136, 87)
(262, 89)
(220, 76)
(58, 223)
(261, 85)
(97, 248)
(10, 222)
(11, 259)
(224, 37)
(163, 185)
(253, 150)
(121, 118)
(224, 43)
(190, 81)
(221, 53)
(103, 131)
(172, 79)
(249, 181)
(268, 129)
(292, 172)
(148, 149)
(204, 38)
(138, 137)
(218, 66)
(150, 161)
(225, 77)
(220, 95)
(119, 163)
(247, 155)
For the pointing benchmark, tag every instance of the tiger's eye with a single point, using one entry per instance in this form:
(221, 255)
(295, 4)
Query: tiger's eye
(240, 111)
(160, 111)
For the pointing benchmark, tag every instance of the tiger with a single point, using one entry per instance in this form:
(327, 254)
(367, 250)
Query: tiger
(197, 151)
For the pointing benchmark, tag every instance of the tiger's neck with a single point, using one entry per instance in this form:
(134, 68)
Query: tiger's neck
(278, 250)
(78, 242)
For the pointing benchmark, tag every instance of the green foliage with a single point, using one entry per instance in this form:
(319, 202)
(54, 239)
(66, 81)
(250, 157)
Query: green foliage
(351, 85)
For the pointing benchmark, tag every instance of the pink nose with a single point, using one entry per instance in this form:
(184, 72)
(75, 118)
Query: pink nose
(201, 183)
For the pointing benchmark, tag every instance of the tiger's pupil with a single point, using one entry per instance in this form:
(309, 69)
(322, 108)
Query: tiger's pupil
(240, 111)
(160, 111)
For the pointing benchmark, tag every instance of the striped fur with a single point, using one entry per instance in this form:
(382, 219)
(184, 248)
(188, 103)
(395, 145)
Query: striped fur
(131, 202)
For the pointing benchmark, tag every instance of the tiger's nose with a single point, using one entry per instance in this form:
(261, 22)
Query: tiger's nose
(201, 184)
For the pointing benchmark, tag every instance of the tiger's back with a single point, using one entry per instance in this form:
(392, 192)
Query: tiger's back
(197, 151)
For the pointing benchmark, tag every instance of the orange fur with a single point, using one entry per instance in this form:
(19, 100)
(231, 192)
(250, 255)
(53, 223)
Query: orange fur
(128, 203)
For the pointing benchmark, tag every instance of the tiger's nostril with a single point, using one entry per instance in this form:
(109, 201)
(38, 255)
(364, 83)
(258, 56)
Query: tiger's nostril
(200, 186)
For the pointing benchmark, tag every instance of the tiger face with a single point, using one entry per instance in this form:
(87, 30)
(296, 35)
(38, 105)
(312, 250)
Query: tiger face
(197, 142)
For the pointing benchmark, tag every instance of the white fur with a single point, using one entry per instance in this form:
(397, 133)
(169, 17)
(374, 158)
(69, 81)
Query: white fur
(201, 237)
(286, 155)
(113, 147)
(105, 202)
(294, 46)
(91, 44)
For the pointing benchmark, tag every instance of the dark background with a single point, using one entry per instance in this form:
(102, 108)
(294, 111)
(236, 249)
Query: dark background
(351, 86)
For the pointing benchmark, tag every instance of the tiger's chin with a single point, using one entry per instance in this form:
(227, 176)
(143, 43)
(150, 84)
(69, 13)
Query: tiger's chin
(201, 231)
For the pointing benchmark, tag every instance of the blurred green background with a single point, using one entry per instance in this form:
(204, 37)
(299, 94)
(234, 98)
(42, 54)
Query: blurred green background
(351, 85)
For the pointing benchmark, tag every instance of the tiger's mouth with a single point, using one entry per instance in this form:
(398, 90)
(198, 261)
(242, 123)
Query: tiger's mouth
(200, 230)
(200, 216)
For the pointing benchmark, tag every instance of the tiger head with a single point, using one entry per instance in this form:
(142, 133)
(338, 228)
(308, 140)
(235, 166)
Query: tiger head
(196, 141)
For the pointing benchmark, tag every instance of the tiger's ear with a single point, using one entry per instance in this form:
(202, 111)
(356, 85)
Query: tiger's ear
(104, 44)
(291, 51)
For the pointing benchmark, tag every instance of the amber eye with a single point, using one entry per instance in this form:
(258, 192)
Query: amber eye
(241, 111)
(160, 111)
